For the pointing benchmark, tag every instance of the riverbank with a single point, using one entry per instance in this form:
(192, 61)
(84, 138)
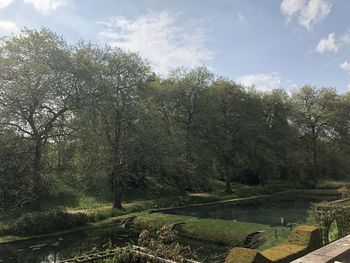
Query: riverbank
(141, 209)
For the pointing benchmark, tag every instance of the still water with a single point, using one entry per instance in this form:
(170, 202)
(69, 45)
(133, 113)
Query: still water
(67, 246)
(55, 249)
(267, 211)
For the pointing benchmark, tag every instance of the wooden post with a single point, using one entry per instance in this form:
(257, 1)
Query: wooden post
(275, 233)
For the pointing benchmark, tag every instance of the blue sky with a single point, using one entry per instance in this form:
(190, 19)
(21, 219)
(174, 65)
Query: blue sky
(268, 43)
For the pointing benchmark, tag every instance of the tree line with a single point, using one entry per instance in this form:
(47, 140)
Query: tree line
(99, 119)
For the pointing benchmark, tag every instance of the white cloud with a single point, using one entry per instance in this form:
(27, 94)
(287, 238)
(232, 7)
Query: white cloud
(346, 66)
(309, 12)
(327, 44)
(8, 27)
(156, 37)
(5, 3)
(346, 38)
(261, 81)
(291, 7)
(46, 6)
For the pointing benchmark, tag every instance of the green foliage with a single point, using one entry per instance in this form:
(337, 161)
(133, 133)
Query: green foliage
(327, 214)
(15, 171)
(163, 244)
(104, 214)
(122, 255)
(313, 118)
(46, 222)
(36, 87)
(97, 120)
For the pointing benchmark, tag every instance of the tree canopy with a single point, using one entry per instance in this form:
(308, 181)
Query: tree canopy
(98, 117)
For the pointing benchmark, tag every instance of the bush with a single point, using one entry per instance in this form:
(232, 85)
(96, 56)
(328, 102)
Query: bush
(124, 254)
(46, 222)
(344, 191)
(163, 244)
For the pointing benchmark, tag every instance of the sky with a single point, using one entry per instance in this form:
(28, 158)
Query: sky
(265, 43)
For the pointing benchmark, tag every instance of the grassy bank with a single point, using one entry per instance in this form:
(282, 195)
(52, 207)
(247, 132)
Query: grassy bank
(215, 230)
(232, 233)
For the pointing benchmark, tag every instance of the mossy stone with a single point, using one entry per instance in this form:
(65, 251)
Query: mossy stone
(301, 241)
(245, 255)
(308, 236)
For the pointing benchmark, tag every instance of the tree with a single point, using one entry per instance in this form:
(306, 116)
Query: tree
(232, 117)
(186, 90)
(342, 124)
(313, 118)
(36, 83)
(276, 132)
(178, 101)
(114, 79)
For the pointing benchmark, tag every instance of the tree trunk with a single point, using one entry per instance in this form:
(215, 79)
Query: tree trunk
(117, 202)
(228, 188)
(37, 174)
(314, 163)
(182, 179)
(188, 141)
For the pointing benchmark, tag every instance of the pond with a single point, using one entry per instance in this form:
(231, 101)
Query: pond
(266, 211)
(52, 250)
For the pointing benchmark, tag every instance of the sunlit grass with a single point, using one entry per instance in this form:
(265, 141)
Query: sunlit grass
(214, 230)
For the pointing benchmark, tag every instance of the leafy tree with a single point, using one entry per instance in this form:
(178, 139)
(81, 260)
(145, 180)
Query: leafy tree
(277, 134)
(36, 83)
(179, 101)
(233, 116)
(115, 81)
(186, 90)
(313, 118)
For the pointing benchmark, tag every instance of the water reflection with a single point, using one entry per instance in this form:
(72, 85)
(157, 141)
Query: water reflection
(268, 211)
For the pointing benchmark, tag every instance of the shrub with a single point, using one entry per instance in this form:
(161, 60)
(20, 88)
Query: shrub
(124, 254)
(344, 191)
(163, 244)
(46, 222)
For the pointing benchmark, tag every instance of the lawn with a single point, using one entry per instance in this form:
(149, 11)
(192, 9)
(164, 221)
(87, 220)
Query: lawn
(219, 231)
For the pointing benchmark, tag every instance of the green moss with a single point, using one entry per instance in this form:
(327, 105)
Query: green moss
(307, 236)
(245, 255)
(301, 241)
(283, 253)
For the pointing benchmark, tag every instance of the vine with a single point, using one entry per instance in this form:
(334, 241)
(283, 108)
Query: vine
(325, 213)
